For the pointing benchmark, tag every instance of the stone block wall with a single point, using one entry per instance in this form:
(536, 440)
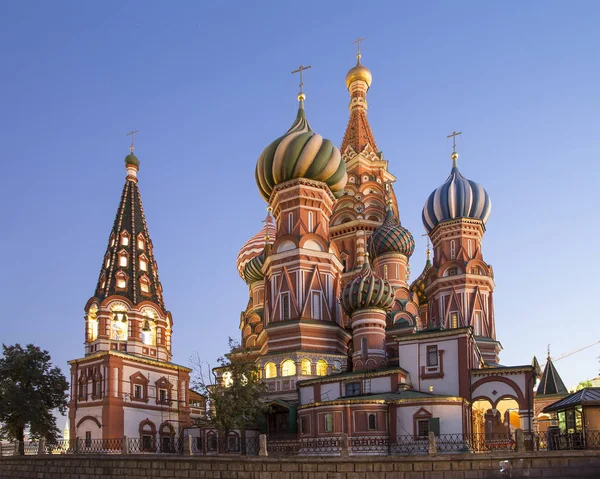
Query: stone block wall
(556, 464)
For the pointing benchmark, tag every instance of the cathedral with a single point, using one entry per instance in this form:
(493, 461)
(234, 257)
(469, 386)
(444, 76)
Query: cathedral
(344, 343)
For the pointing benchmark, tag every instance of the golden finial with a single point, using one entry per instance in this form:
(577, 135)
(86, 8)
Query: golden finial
(301, 68)
(266, 222)
(388, 192)
(132, 133)
(357, 42)
(454, 155)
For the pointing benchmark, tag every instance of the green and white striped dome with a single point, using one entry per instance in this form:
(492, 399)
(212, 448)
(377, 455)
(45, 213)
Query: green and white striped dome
(300, 153)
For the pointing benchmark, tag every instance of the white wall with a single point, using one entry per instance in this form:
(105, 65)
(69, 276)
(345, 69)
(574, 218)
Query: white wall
(381, 385)
(88, 425)
(133, 416)
(306, 395)
(329, 392)
(129, 371)
(450, 415)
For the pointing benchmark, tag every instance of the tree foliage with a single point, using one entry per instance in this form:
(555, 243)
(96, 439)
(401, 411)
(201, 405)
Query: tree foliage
(30, 389)
(584, 384)
(234, 390)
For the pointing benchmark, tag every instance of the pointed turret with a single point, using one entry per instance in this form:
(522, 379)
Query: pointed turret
(358, 132)
(129, 268)
(551, 382)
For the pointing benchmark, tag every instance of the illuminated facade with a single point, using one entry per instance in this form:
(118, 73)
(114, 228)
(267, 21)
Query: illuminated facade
(344, 342)
(126, 383)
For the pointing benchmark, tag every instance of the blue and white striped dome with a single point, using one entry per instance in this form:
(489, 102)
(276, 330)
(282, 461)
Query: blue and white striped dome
(456, 198)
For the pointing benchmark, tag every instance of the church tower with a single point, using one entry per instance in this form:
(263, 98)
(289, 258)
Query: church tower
(300, 175)
(362, 208)
(459, 286)
(125, 384)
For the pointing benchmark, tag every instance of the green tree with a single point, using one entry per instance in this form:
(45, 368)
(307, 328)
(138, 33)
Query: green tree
(30, 389)
(234, 391)
(584, 384)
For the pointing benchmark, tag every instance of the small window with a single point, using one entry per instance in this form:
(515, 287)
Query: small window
(147, 442)
(478, 325)
(372, 422)
(336, 367)
(121, 281)
(137, 391)
(141, 244)
(107, 261)
(470, 248)
(162, 394)
(233, 443)
(88, 438)
(328, 422)
(310, 221)
(452, 249)
(304, 425)
(422, 427)
(270, 370)
(290, 222)
(454, 320)
(432, 356)
(122, 260)
(316, 305)
(143, 263)
(145, 284)
(124, 239)
(352, 389)
(306, 367)
(321, 368)
(285, 306)
(452, 271)
(288, 368)
(364, 347)
(385, 272)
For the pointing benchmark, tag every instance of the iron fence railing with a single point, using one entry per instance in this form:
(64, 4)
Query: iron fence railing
(325, 446)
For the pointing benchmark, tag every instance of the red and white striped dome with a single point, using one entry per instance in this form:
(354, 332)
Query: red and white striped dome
(255, 245)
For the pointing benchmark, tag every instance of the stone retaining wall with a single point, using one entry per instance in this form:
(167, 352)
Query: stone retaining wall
(559, 465)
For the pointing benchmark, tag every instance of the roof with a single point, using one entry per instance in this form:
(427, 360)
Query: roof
(124, 355)
(130, 222)
(551, 382)
(583, 397)
(353, 374)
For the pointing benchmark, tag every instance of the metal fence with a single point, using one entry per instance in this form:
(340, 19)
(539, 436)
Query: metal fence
(328, 446)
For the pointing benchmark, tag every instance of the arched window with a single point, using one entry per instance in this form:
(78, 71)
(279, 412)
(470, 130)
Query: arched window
(337, 367)
(121, 279)
(328, 422)
(470, 248)
(452, 249)
(372, 421)
(148, 333)
(107, 260)
(310, 221)
(143, 263)
(124, 238)
(454, 320)
(306, 367)
(145, 284)
(102, 281)
(290, 222)
(141, 242)
(288, 368)
(112, 239)
(270, 370)
(321, 367)
(364, 347)
(123, 258)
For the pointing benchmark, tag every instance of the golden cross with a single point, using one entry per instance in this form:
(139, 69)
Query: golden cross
(300, 69)
(132, 133)
(388, 191)
(266, 222)
(453, 136)
(428, 245)
(357, 41)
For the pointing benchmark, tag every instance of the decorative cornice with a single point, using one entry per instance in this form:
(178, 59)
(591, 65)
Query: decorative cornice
(501, 370)
(137, 359)
(352, 375)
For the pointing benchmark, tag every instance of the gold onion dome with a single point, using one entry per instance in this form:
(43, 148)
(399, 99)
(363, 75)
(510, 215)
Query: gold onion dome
(418, 286)
(300, 153)
(359, 72)
(367, 290)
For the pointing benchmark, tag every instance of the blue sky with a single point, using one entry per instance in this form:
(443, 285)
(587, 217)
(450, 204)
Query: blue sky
(208, 86)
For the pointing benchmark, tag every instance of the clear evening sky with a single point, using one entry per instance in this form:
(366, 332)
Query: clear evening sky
(208, 86)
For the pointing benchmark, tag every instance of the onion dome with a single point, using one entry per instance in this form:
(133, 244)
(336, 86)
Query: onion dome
(300, 153)
(367, 290)
(253, 269)
(418, 286)
(359, 72)
(256, 245)
(131, 159)
(390, 237)
(458, 197)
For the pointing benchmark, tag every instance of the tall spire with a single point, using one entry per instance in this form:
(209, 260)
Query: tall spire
(358, 132)
(129, 268)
